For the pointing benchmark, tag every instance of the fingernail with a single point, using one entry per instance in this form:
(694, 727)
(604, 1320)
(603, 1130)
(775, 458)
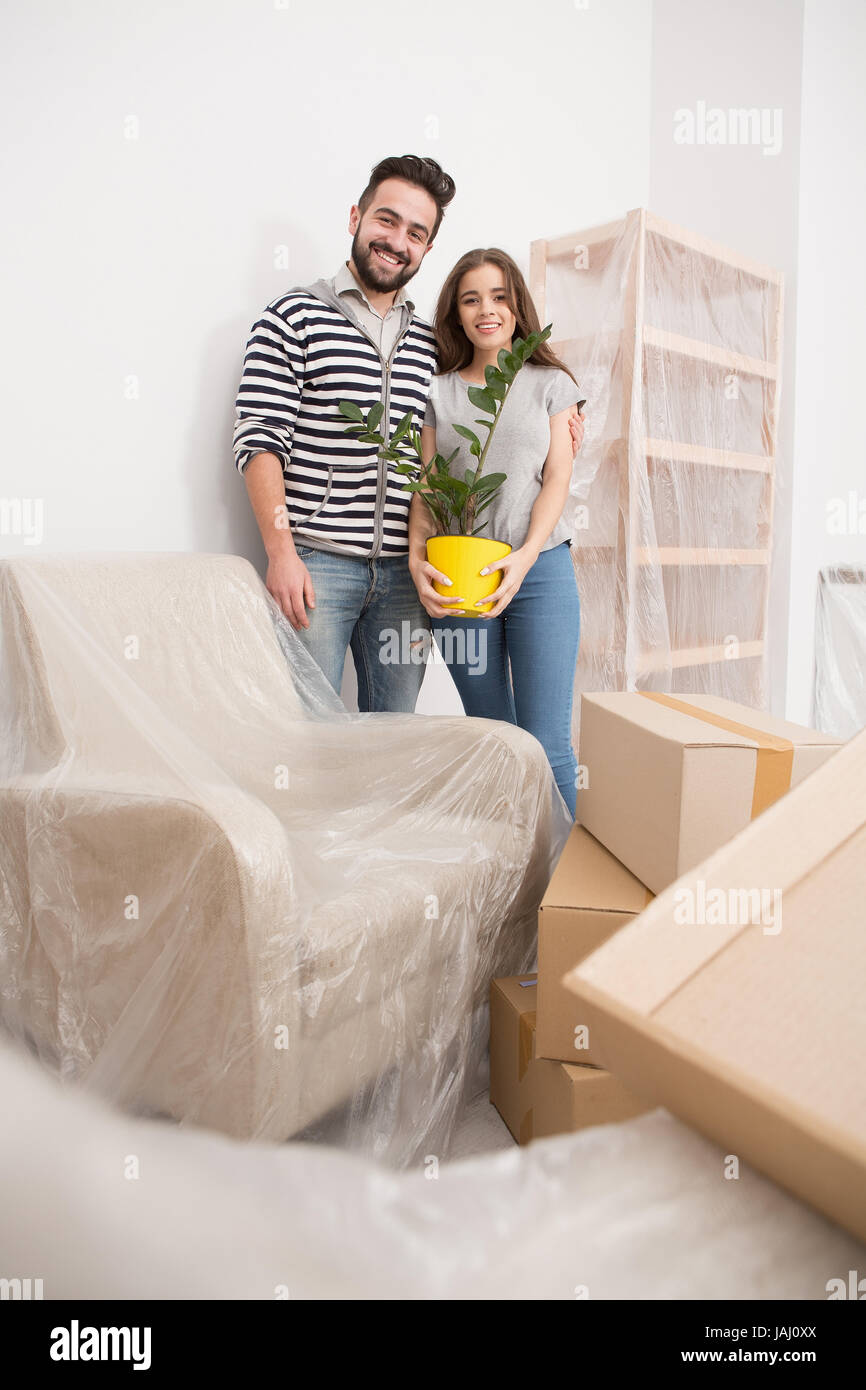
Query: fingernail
(485, 570)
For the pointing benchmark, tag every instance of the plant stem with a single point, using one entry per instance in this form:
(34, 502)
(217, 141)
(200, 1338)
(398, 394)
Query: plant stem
(470, 505)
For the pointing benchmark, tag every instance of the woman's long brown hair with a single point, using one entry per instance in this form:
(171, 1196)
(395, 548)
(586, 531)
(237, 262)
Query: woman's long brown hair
(455, 349)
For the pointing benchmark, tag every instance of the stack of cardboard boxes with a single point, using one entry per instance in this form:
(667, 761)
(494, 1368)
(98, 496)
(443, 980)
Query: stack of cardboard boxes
(669, 781)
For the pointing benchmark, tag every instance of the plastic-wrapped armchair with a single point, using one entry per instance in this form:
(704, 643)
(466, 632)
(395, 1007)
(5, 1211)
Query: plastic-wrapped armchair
(223, 897)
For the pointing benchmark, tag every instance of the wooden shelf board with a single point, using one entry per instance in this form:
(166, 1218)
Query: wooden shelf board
(696, 656)
(671, 450)
(686, 555)
(695, 348)
(560, 246)
(700, 351)
(714, 250)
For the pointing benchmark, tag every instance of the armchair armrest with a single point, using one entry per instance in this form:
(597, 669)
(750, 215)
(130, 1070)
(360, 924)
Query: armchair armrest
(144, 938)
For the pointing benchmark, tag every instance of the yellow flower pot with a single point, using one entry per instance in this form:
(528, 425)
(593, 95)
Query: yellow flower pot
(461, 558)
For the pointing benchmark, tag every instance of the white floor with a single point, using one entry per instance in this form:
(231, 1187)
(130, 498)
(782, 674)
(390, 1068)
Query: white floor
(480, 1130)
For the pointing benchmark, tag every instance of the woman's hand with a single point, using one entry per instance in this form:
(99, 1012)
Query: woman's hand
(577, 426)
(423, 574)
(515, 567)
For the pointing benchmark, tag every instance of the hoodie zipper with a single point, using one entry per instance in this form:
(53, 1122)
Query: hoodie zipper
(385, 424)
(382, 479)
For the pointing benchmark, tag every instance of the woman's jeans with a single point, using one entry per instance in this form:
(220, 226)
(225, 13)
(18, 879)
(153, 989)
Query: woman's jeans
(538, 635)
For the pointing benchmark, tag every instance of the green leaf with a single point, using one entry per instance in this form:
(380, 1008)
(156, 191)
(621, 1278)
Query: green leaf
(505, 367)
(402, 429)
(467, 433)
(498, 389)
(445, 483)
(490, 480)
(439, 464)
(482, 506)
(494, 377)
(351, 411)
(482, 399)
(375, 415)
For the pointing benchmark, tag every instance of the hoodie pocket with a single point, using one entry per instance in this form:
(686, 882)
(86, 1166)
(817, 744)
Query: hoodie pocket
(300, 515)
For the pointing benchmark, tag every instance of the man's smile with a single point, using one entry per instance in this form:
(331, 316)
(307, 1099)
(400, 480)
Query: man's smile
(387, 256)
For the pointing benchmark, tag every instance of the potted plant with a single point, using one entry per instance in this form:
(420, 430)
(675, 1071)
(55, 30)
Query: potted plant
(455, 503)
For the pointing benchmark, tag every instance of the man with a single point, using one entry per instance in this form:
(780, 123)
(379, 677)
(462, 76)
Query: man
(333, 514)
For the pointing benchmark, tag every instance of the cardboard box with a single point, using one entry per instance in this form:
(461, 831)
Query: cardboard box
(568, 1098)
(736, 999)
(536, 1097)
(590, 896)
(512, 1049)
(671, 779)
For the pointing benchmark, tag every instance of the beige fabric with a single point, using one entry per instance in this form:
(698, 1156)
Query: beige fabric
(225, 898)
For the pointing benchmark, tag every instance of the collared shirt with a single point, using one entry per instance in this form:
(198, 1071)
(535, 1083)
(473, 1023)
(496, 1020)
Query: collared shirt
(384, 328)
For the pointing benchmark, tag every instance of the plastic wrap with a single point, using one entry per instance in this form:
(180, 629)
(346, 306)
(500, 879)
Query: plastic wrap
(225, 899)
(639, 1210)
(675, 343)
(839, 699)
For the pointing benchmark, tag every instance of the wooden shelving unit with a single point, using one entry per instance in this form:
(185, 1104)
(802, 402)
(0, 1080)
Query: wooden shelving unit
(664, 321)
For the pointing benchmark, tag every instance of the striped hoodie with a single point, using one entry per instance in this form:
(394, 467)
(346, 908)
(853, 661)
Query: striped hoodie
(304, 355)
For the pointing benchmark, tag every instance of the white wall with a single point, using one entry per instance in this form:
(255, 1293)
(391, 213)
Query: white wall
(829, 453)
(148, 258)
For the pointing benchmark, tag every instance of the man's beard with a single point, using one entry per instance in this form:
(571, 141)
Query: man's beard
(373, 274)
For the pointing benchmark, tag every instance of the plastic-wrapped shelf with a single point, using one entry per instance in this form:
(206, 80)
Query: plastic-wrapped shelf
(676, 343)
(839, 701)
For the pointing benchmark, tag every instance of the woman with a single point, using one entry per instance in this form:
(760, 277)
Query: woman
(533, 627)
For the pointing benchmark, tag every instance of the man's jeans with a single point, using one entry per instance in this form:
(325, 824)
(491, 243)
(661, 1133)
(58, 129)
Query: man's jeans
(537, 637)
(372, 606)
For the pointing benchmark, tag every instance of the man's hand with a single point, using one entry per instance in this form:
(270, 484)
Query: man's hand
(423, 574)
(289, 580)
(577, 426)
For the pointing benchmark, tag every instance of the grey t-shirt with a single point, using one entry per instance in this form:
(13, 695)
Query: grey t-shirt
(520, 445)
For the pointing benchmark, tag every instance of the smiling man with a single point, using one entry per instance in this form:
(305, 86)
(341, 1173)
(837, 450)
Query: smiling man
(332, 514)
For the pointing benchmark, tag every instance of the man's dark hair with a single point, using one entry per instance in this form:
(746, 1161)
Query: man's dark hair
(424, 173)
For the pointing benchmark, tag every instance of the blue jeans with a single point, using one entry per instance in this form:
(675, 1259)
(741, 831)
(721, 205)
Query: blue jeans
(538, 635)
(373, 607)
